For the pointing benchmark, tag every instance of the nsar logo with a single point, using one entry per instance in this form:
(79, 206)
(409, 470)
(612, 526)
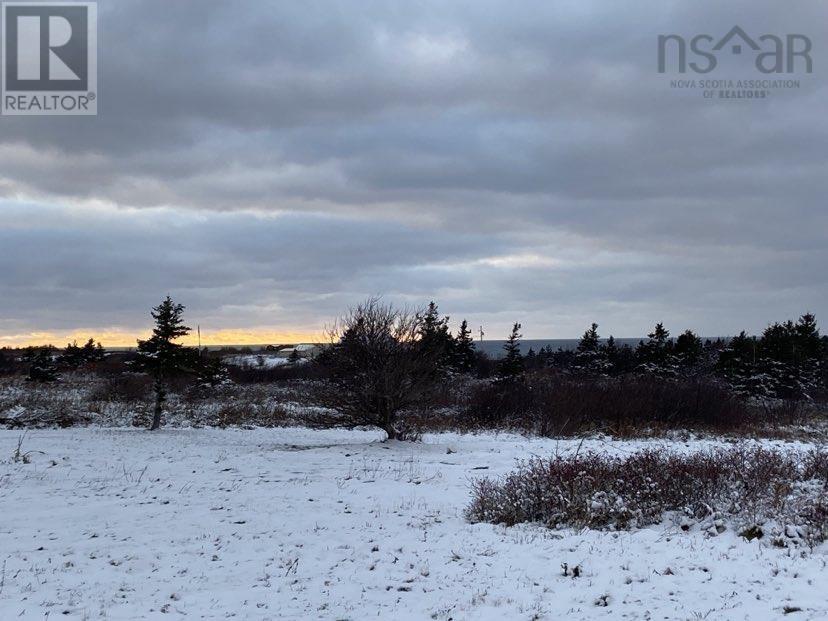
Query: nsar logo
(772, 53)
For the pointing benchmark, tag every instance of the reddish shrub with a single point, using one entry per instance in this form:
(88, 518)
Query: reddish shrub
(600, 491)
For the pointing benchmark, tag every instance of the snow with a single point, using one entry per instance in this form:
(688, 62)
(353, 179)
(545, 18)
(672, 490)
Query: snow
(297, 524)
(257, 361)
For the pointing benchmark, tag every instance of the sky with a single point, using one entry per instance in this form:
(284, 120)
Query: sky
(270, 164)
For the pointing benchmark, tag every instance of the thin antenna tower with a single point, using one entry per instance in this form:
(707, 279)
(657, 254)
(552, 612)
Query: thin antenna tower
(481, 333)
(198, 327)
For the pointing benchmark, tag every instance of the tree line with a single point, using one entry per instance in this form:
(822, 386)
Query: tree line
(382, 360)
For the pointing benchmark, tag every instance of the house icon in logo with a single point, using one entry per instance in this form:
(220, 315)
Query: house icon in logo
(735, 47)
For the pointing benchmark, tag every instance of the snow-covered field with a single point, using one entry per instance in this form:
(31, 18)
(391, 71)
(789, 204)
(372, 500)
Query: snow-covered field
(298, 524)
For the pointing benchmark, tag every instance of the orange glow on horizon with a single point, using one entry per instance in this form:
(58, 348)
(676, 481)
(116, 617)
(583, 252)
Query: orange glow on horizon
(123, 338)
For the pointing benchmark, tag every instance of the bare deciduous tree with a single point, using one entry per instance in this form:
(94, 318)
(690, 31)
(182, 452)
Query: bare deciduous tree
(378, 368)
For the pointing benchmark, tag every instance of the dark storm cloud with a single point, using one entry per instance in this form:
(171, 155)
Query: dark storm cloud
(407, 146)
(112, 266)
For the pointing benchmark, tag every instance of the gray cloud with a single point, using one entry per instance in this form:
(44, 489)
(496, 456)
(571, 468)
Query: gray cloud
(524, 161)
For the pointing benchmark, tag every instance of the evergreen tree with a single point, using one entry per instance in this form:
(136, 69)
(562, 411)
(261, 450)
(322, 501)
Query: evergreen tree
(659, 337)
(610, 351)
(808, 354)
(435, 337)
(161, 356)
(778, 342)
(740, 365)
(806, 338)
(617, 359)
(655, 356)
(511, 364)
(823, 362)
(742, 347)
(546, 357)
(91, 351)
(655, 348)
(590, 340)
(611, 346)
(589, 357)
(623, 360)
(562, 358)
(786, 362)
(71, 356)
(791, 357)
(464, 351)
(42, 367)
(75, 356)
(688, 348)
(210, 372)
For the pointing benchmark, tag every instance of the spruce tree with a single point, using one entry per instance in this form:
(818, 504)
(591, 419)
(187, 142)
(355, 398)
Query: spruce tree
(511, 364)
(689, 348)
(464, 351)
(823, 362)
(655, 356)
(590, 340)
(91, 351)
(161, 356)
(778, 342)
(624, 359)
(655, 348)
(546, 356)
(590, 358)
(611, 350)
(740, 364)
(806, 337)
(210, 372)
(42, 367)
(658, 337)
(618, 359)
(75, 356)
(435, 338)
(808, 358)
(790, 357)
(71, 356)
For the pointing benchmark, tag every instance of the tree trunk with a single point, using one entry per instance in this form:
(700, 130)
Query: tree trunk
(159, 405)
(388, 419)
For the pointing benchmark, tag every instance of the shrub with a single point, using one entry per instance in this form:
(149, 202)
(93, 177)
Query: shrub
(601, 491)
(247, 413)
(122, 387)
(247, 374)
(553, 404)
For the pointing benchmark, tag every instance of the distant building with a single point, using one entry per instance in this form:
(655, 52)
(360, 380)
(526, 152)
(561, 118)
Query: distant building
(303, 350)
